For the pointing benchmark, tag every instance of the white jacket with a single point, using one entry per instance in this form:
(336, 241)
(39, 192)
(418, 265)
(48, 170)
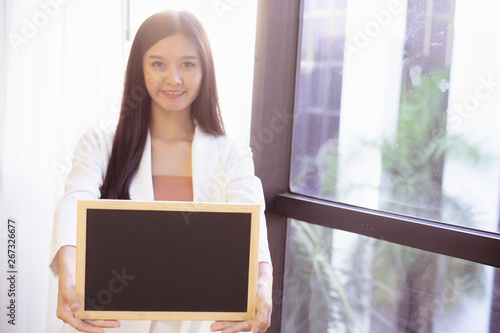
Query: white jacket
(222, 171)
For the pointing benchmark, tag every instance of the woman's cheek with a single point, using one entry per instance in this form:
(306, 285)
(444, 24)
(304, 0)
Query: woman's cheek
(152, 81)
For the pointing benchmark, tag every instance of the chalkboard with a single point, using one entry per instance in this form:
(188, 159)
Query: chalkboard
(166, 260)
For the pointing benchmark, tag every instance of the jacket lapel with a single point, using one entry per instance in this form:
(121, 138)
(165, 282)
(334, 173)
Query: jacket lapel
(205, 165)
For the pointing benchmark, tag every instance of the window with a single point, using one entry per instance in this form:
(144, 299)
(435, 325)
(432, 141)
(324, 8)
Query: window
(394, 124)
(342, 282)
(392, 135)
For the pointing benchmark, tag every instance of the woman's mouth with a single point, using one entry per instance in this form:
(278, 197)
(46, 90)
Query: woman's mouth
(173, 93)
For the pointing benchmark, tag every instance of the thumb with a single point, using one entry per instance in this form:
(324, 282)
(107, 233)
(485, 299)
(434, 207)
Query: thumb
(73, 301)
(70, 297)
(75, 306)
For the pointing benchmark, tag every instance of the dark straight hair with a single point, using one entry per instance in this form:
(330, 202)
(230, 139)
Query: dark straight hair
(135, 115)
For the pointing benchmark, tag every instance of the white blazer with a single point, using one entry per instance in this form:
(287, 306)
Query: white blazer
(222, 171)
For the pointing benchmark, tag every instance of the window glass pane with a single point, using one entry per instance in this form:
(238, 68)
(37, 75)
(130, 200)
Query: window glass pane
(397, 107)
(336, 281)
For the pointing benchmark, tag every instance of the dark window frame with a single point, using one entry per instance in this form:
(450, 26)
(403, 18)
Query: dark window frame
(278, 27)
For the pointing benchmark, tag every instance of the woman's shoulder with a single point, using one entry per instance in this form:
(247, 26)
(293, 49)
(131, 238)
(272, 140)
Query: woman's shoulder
(97, 141)
(101, 136)
(229, 143)
(234, 149)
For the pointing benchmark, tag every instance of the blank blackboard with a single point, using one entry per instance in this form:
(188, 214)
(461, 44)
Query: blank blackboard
(166, 260)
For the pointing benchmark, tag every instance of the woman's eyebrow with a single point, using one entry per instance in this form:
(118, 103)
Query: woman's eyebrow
(153, 56)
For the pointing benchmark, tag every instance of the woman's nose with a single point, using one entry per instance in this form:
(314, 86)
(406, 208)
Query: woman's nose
(173, 76)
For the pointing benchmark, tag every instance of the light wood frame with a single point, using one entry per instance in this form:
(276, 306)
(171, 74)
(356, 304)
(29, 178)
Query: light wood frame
(84, 205)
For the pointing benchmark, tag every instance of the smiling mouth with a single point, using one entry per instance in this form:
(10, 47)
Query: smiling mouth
(176, 93)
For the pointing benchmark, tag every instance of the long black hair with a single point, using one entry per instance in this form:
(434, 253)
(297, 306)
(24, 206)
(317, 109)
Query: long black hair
(135, 115)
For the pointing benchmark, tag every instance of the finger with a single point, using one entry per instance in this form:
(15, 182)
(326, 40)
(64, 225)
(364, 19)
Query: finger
(92, 326)
(64, 309)
(259, 323)
(263, 315)
(103, 323)
(230, 326)
(83, 326)
(262, 319)
(261, 328)
(69, 296)
(95, 326)
(75, 306)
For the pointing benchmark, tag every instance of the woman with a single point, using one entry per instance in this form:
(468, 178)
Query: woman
(169, 144)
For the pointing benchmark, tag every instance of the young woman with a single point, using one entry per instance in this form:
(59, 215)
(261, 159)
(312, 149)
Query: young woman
(169, 144)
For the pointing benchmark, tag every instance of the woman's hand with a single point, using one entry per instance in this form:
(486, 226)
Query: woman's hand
(263, 308)
(67, 301)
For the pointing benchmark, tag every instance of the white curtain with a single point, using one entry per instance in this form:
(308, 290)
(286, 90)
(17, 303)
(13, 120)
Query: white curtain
(63, 74)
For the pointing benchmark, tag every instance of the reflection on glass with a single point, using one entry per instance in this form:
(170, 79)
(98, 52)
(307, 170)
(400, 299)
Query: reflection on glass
(341, 282)
(397, 107)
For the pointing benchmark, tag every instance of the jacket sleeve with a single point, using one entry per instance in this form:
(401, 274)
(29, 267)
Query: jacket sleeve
(82, 183)
(242, 186)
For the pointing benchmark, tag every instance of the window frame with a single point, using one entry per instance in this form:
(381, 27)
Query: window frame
(277, 41)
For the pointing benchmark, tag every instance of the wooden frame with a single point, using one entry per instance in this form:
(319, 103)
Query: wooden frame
(123, 218)
(272, 118)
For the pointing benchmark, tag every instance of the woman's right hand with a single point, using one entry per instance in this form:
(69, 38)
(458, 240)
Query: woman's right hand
(67, 300)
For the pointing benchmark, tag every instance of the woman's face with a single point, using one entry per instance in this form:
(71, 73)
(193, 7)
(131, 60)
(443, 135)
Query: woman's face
(173, 73)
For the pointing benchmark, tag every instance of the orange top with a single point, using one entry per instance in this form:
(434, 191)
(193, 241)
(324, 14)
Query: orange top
(173, 188)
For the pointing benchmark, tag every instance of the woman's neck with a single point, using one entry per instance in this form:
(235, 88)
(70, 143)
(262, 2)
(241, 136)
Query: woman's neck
(172, 125)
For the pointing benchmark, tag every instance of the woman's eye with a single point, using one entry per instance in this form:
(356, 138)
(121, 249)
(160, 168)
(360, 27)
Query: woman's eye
(188, 64)
(158, 64)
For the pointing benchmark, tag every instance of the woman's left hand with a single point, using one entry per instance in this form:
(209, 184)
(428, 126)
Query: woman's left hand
(263, 307)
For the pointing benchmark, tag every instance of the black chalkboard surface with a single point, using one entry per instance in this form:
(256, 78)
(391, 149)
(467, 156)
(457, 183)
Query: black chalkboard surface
(166, 260)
